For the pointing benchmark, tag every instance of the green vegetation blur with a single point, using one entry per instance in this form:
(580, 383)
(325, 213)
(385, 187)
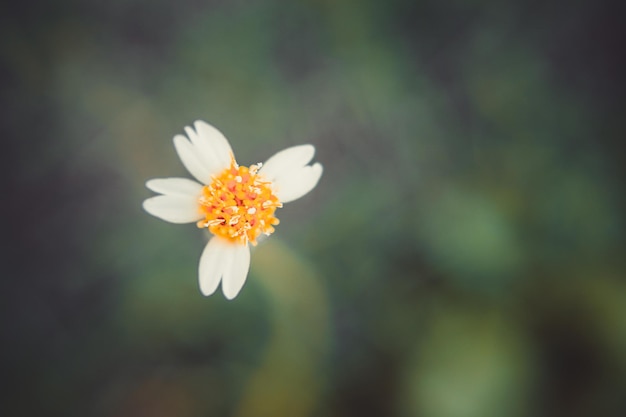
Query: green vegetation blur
(462, 256)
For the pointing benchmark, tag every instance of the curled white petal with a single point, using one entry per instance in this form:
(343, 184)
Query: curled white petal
(216, 257)
(287, 161)
(212, 142)
(174, 208)
(190, 158)
(297, 184)
(175, 186)
(235, 274)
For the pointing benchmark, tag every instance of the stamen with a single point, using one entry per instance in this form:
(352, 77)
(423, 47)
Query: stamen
(238, 205)
(255, 168)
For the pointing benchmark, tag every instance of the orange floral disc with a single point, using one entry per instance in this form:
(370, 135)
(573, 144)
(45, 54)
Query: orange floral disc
(238, 205)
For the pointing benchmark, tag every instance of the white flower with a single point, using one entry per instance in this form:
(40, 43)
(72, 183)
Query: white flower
(235, 203)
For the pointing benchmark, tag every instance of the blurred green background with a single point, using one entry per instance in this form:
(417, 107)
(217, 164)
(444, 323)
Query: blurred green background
(462, 256)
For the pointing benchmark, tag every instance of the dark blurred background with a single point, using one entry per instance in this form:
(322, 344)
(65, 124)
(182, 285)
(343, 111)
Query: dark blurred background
(462, 256)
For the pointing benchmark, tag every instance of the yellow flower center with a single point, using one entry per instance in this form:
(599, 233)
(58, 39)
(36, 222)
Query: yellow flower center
(238, 205)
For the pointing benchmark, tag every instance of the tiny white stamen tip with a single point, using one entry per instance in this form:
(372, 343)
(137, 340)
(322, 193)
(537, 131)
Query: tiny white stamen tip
(238, 178)
(255, 168)
(251, 210)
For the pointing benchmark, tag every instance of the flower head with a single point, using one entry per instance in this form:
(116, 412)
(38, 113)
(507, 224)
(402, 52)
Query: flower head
(237, 204)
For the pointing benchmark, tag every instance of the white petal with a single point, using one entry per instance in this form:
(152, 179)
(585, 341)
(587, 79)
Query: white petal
(189, 156)
(201, 148)
(216, 257)
(291, 187)
(236, 273)
(214, 144)
(205, 151)
(175, 186)
(287, 161)
(173, 208)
